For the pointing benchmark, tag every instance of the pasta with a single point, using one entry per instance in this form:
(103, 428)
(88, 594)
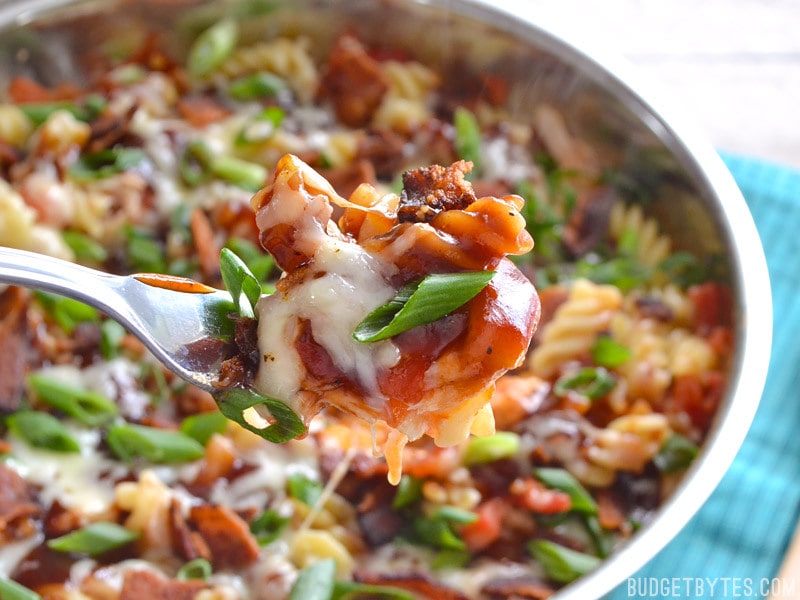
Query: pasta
(431, 462)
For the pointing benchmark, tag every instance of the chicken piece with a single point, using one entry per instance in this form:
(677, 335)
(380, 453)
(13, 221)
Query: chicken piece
(433, 379)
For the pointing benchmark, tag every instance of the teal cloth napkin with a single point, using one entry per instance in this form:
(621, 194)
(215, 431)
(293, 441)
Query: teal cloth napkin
(735, 544)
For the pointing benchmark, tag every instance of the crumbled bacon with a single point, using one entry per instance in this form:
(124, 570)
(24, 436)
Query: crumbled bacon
(353, 81)
(519, 588)
(141, 583)
(228, 536)
(14, 349)
(17, 503)
(416, 583)
(428, 191)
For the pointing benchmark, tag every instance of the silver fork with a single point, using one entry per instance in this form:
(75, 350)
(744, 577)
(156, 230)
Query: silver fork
(185, 331)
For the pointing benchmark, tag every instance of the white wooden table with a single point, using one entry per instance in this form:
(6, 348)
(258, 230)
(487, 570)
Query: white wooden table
(733, 66)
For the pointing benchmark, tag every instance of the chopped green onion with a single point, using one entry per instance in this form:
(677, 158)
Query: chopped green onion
(195, 162)
(67, 312)
(623, 272)
(561, 479)
(243, 286)
(203, 425)
(199, 568)
(285, 425)
(260, 263)
(437, 532)
(111, 335)
(42, 430)
(676, 454)
(408, 491)
(87, 110)
(300, 487)
(453, 514)
(355, 590)
(85, 248)
(561, 564)
(268, 526)
(451, 559)
(421, 303)
(602, 539)
(628, 242)
(258, 85)
(129, 441)
(467, 138)
(11, 590)
(315, 582)
(262, 127)
(608, 353)
(105, 163)
(94, 539)
(684, 269)
(592, 382)
(90, 408)
(212, 47)
(247, 175)
(145, 254)
(503, 444)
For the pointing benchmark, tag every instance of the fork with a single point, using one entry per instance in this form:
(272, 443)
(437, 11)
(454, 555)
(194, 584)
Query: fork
(187, 332)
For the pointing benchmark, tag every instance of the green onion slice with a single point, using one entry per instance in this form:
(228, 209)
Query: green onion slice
(212, 47)
(11, 590)
(195, 162)
(467, 138)
(203, 425)
(308, 491)
(94, 539)
(85, 248)
(592, 382)
(244, 174)
(354, 589)
(608, 353)
(285, 425)
(503, 444)
(106, 163)
(408, 491)
(42, 430)
(161, 446)
(561, 479)
(258, 85)
(67, 312)
(676, 454)
(315, 582)
(420, 303)
(262, 127)
(199, 568)
(243, 286)
(561, 564)
(90, 408)
(268, 526)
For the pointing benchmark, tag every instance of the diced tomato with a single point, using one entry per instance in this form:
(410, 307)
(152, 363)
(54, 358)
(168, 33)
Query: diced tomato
(200, 111)
(533, 495)
(713, 306)
(23, 90)
(698, 396)
(486, 529)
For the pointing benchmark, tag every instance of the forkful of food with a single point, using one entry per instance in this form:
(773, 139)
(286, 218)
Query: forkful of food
(401, 309)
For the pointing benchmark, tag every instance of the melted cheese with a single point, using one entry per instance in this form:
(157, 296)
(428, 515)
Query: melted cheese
(346, 284)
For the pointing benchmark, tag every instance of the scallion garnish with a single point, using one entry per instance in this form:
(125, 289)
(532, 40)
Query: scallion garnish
(195, 162)
(592, 382)
(561, 564)
(11, 590)
(260, 263)
(106, 163)
(315, 582)
(111, 335)
(684, 269)
(503, 444)
(212, 47)
(199, 568)
(247, 175)
(675, 454)
(624, 272)
(128, 441)
(243, 286)
(94, 539)
(408, 491)
(438, 532)
(237, 404)
(420, 303)
(467, 139)
(145, 253)
(354, 589)
(85, 406)
(67, 312)
(302, 488)
(85, 110)
(261, 127)
(560, 479)
(256, 86)
(42, 430)
(85, 248)
(608, 353)
(268, 526)
(202, 426)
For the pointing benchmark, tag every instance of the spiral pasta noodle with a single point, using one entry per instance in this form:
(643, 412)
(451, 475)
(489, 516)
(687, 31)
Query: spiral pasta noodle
(651, 246)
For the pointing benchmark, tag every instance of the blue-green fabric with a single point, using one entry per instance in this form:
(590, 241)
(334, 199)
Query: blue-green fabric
(737, 540)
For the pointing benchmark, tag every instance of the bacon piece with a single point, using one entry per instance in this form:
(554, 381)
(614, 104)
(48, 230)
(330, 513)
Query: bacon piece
(17, 502)
(520, 588)
(141, 583)
(227, 535)
(354, 82)
(416, 583)
(14, 349)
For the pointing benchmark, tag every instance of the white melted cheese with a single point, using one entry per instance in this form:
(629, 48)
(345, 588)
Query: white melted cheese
(347, 284)
(82, 480)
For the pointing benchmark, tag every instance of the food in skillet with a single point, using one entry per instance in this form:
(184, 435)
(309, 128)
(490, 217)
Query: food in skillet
(119, 481)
